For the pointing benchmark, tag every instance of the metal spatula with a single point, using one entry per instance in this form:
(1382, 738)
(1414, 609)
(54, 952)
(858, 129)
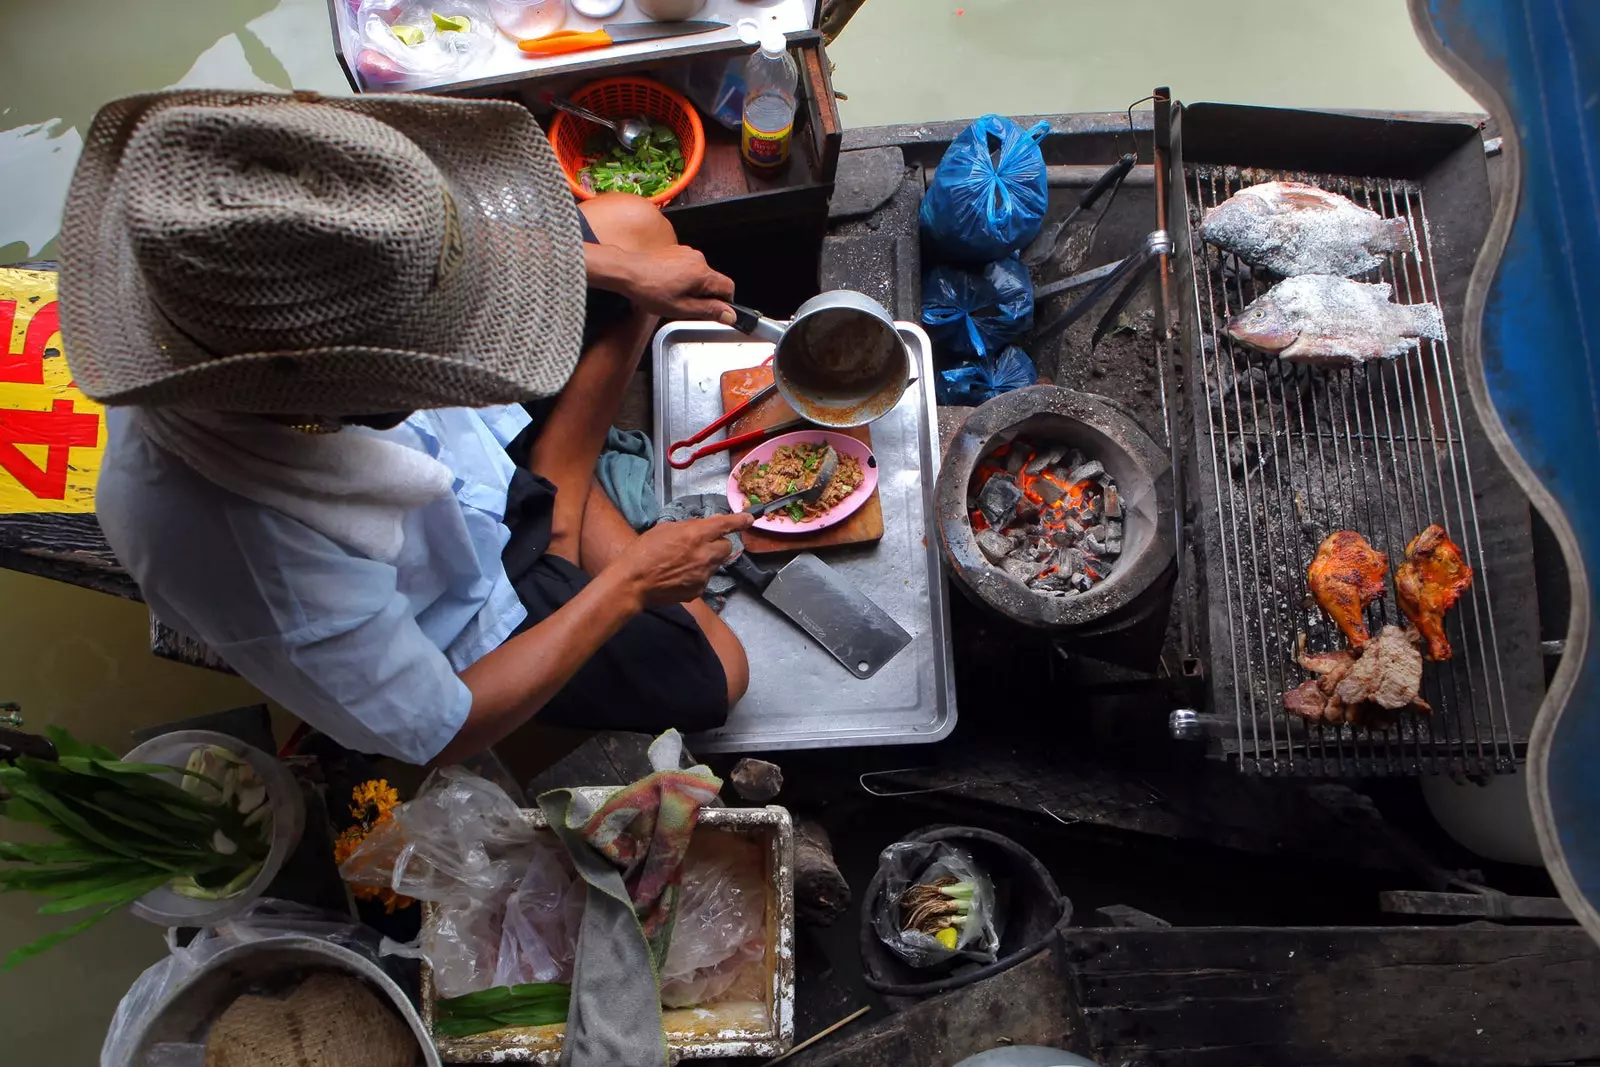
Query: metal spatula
(809, 495)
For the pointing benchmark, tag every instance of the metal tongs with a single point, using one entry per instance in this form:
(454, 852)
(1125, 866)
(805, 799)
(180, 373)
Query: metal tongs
(1127, 274)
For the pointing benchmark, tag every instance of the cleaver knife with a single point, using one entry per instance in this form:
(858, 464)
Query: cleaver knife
(840, 617)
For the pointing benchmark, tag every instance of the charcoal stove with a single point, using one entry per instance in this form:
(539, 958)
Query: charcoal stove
(1278, 457)
(1100, 428)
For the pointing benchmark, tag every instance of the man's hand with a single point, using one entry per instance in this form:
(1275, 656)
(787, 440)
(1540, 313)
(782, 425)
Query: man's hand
(676, 283)
(671, 562)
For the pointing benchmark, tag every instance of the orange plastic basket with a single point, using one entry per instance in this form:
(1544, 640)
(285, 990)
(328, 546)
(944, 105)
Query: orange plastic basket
(619, 98)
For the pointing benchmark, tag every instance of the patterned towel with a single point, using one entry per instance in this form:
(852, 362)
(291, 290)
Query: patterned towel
(630, 849)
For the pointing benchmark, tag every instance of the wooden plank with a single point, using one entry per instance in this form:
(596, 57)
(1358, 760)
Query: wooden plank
(864, 527)
(1026, 1005)
(1487, 905)
(1304, 995)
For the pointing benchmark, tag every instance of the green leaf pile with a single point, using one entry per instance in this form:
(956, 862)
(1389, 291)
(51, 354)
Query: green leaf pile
(656, 164)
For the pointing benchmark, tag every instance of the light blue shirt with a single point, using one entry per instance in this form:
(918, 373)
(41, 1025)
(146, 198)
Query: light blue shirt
(366, 652)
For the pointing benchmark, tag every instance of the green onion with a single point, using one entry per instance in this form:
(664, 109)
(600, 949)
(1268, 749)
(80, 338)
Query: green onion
(123, 831)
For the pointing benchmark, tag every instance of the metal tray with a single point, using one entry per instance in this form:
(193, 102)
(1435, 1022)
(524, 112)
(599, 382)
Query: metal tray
(799, 696)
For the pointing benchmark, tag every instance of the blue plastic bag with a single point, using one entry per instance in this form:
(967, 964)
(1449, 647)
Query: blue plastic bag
(988, 196)
(978, 380)
(975, 312)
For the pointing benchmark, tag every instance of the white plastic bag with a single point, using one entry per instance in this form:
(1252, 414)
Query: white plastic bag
(720, 927)
(402, 40)
(461, 838)
(264, 919)
(908, 863)
(464, 844)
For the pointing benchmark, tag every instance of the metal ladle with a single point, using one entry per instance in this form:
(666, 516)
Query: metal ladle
(629, 132)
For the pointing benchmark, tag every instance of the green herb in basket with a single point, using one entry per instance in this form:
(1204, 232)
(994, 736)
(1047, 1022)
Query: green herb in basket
(122, 830)
(656, 164)
(535, 1004)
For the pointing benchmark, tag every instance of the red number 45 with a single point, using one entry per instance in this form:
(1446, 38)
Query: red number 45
(59, 430)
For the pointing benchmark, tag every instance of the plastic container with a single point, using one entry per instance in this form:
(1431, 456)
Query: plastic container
(770, 80)
(1029, 912)
(620, 98)
(167, 908)
(522, 19)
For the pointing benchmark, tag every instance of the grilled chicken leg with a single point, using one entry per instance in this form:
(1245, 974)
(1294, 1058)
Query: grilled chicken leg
(1432, 578)
(1347, 575)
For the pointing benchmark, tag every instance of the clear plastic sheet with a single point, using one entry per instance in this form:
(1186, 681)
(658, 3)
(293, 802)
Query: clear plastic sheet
(461, 839)
(263, 919)
(720, 934)
(539, 934)
(503, 889)
(908, 863)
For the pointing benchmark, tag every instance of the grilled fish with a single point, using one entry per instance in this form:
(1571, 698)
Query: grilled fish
(1327, 321)
(1293, 228)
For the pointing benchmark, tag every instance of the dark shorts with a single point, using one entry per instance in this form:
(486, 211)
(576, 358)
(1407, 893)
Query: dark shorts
(658, 670)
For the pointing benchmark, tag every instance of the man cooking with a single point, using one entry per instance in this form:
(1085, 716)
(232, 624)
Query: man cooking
(314, 321)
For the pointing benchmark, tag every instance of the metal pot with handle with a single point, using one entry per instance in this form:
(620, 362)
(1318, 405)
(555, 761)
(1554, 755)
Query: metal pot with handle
(839, 362)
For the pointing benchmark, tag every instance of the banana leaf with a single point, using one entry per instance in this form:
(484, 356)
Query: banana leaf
(533, 1004)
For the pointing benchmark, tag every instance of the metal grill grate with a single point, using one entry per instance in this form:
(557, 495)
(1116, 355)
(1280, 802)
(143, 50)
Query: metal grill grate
(1287, 455)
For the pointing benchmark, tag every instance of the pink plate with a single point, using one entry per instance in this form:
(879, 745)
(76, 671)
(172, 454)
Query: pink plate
(845, 446)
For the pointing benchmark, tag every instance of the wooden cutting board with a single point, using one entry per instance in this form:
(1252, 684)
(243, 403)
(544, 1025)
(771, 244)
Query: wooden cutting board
(863, 527)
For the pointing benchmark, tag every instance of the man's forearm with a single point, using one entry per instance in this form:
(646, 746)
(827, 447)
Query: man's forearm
(513, 682)
(610, 268)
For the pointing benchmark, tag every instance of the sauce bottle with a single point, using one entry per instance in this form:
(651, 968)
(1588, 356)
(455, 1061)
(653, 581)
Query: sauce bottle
(770, 81)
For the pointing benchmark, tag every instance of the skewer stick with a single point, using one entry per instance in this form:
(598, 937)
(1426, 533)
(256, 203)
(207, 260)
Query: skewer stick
(819, 1035)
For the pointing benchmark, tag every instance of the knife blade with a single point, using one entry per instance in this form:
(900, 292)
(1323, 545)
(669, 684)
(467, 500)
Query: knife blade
(563, 42)
(838, 616)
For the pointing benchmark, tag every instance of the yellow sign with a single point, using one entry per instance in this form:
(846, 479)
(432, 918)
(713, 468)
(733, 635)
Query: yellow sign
(51, 436)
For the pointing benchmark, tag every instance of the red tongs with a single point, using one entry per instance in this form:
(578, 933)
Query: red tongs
(726, 418)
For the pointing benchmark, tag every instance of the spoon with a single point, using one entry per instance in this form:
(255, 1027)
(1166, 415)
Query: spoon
(629, 132)
(809, 495)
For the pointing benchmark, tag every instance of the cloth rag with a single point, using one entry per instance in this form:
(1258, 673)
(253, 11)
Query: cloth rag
(352, 486)
(704, 506)
(629, 847)
(625, 470)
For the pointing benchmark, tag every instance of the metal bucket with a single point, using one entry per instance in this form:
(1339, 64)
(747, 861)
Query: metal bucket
(186, 1016)
(839, 362)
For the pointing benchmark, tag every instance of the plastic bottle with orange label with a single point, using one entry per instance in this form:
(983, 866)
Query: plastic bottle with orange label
(770, 78)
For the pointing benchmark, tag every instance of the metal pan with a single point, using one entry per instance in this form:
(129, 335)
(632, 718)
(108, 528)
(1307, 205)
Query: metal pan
(839, 362)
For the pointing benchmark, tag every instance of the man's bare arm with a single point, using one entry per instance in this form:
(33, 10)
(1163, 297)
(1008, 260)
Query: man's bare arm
(669, 564)
(674, 282)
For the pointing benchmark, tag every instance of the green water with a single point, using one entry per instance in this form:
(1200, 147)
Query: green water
(82, 659)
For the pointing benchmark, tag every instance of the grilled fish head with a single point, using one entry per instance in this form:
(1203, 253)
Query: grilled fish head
(1263, 326)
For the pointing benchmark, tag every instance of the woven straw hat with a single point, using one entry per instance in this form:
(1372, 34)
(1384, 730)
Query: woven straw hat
(288, 254)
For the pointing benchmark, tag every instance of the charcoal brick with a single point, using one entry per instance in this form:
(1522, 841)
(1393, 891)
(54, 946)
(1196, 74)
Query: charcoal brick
(994, 546)
(1093, 470)
(998, 499)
